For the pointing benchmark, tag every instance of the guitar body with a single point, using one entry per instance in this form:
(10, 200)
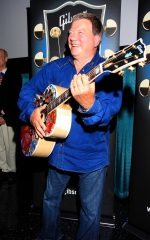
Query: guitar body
(57, 121)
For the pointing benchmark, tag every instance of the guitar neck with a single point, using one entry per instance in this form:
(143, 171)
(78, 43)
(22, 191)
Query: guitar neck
(65, 96)
(129, 56)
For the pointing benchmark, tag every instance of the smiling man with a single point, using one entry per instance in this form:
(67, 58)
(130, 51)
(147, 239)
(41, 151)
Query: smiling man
(85, 152)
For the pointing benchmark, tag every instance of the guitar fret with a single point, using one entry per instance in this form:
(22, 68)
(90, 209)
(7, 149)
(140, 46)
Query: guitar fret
(60, 99)
(95, 72)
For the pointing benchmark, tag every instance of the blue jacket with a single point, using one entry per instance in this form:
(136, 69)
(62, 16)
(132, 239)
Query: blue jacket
(87, 146)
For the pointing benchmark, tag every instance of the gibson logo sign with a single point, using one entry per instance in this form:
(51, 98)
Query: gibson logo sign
(65, 19)
(58, 21)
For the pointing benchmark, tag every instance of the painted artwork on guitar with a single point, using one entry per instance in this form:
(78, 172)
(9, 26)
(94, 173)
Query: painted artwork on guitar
(57, 114)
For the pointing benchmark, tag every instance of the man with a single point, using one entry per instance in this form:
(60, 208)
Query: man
(10, 85)
(85, 151)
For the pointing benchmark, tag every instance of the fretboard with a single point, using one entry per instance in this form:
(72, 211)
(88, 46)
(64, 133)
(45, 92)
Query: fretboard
(95, 72)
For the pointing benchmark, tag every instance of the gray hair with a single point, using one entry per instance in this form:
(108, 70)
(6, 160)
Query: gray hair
(97, 27)
(4, 51)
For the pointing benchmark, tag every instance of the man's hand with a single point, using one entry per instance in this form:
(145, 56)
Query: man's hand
(83, 91)
(37, 122)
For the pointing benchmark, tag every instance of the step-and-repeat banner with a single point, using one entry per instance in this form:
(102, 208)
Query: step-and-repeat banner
(50, 22)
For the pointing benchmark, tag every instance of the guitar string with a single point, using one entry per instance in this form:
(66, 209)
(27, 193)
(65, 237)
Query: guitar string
(67, 94)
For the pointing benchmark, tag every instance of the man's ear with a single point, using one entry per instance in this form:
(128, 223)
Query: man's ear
(6, 59)
(97, 40)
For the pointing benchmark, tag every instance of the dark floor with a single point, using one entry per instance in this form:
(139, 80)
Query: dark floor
(18, 221)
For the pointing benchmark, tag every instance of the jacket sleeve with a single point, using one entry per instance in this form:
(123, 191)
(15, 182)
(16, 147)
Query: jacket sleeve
(108, 100)
(35, 85)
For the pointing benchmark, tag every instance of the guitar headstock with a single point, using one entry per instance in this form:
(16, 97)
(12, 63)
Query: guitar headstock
(129, 56)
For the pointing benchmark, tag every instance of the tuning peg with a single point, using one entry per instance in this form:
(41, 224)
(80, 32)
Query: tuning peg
(54, 58)
(108, 53)
(39, 59)
(144, 88)
(121, 73)
(131, 68)
(55, 32)
(110, 28)
(146, 21)
(39, 31)
(142, 64)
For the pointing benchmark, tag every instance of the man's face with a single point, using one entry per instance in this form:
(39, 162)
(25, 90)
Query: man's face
(81, 41)
(3, 60)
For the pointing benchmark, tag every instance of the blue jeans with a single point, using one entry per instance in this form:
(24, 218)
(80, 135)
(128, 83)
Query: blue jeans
(91, 186)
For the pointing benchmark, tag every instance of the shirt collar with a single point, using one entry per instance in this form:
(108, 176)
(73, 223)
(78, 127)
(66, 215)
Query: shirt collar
(4, 70)
(92, 62)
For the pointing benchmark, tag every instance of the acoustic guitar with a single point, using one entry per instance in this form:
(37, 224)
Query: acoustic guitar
(57, 114)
